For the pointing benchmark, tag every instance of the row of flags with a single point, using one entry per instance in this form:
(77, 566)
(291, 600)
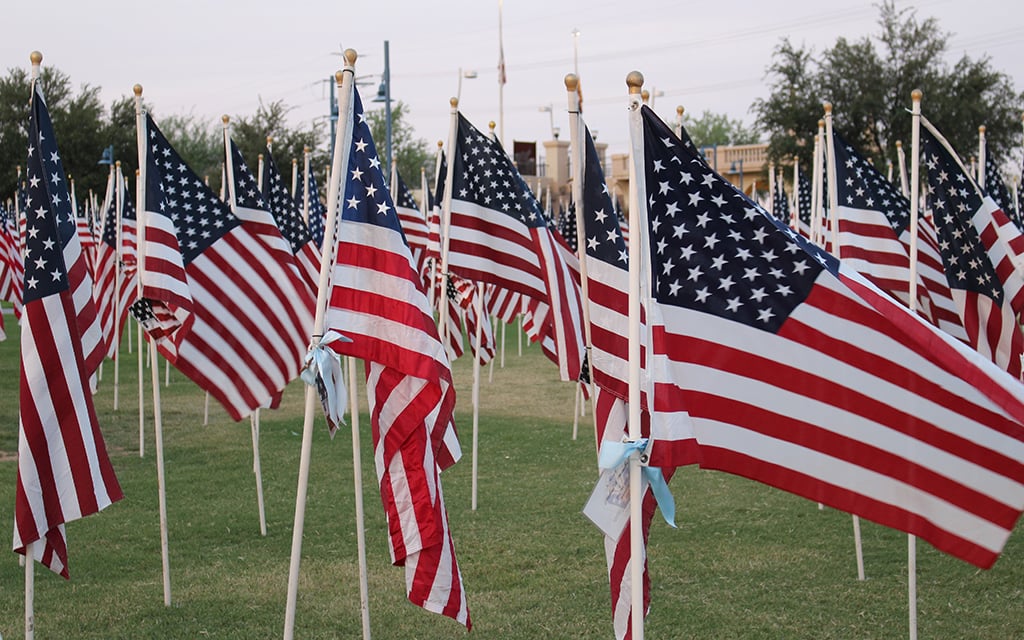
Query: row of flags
(763, 354)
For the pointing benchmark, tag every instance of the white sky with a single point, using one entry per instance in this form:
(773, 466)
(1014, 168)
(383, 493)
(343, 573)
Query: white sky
(208, 58)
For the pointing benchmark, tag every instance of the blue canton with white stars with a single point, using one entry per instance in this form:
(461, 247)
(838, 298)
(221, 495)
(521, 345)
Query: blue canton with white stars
(803, 200)
(53, 173)
(603, 235)
(247, 190)
(175, 191)
(405, 197)
(110, 226)
(317, 211)
(861, 186)
(780, 203)
(367, 198)
(286, 213)
(484, 174)
(954, 201)
(45, 272)
(996, 189)
(712, 248)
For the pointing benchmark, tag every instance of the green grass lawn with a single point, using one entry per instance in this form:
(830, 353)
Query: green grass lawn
(747, 561)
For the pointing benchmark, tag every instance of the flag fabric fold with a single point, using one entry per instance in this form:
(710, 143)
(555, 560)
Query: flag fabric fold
(116, 267)
(376, 301)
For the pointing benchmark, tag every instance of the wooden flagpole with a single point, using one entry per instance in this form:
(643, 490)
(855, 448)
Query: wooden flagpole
(116, 337)
(254, 417)
(138, 330)
(480, 319)
(915, 177)
(833, 203)
(579, 159)
(157, 411)
(637, 186)
(341, 154)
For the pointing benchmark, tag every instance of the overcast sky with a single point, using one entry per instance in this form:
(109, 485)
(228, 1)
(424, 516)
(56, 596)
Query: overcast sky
(208, 58)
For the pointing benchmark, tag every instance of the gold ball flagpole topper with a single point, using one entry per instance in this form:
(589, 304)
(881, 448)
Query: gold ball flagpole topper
(270, 140)
(828, 108)
(899, 144)
(680, 110)
(981, 129)
(350, 57)
(137, 90)
(35, 57)
(645, 95)
(440, 143)
(634, 80)
(225, 119)
(916, 95)
(572, 82)
(454, 102)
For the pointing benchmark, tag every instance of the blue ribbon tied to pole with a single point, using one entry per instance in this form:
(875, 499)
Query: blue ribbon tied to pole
(614, 454)
(322, 371)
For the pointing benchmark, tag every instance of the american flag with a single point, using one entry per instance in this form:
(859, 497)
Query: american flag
(780, 202)
(317, 211)
(116, 268)
(414, 226)
(608, 293)
(12, 266)
(803, 206)
(288, 216)
(50, 169)
(983, 253)
(376, 301)
(874, 239)
(996, 189)
(798, 373)
(462, 295)
(567, 228)
(239, 316)
(63, 470)
(499, 235)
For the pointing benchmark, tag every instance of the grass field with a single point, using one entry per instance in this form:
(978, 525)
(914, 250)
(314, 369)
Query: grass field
(747, 561)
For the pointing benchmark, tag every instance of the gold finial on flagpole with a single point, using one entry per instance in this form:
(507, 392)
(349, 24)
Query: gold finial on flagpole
(828, 108)
(679, 111)
(35, 57)
(454, 102)
(338, 75)
(270, 140)
(821, 123)
(634, 80)
(259, 157)
(225, 119)
(899, 144)
(572, 81)
(491, 125)
(305, 149)
(645, 95)
(981, 130)
(916, 95)
(137, 90)
(350, 57)
(117, 163)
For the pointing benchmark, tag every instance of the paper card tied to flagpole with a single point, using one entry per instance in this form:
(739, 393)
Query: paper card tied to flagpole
(608, 506)
(322, 370)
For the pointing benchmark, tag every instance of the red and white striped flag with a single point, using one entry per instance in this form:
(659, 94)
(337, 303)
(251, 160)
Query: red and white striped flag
(63, 470)
(289, 221)
(983, 251)
(12, 267)
(799, 373)
(116, 264)
(499, 235)
(225, 309)
(376, 301)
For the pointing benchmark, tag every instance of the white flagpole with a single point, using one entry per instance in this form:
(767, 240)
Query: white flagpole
(637, 186)
(157, 411)
(476, 386)
(115, 336)
(340, 160)
(305, 186)
(577, 142)
(981, 156)
(771, 188)
(915, 177)
(295, 176)
(446, 221)
(833, 203)
(254, 418)
(102, 221)
(817, 182)
(138, 329)
(432, 269)
(794, 213)
(904, 187)
(30, 591)
(679, 121)
(357, 481)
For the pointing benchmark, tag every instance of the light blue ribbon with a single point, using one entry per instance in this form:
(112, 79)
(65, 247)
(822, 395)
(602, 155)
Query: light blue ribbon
(325, 364)
(614, 454)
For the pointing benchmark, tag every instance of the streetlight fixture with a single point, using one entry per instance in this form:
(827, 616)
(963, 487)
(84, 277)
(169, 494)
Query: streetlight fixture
(108, 156)
(468, 74)
(550, 110)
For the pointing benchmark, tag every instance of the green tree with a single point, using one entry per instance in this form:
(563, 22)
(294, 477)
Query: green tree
(712, 128)
(250, 134)
(869, 82)
(78, 120)
(410, 153)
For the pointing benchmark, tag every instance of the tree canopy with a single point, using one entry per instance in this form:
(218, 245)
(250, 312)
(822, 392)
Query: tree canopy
(712, 128)
(869, 82)
(410, 153)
